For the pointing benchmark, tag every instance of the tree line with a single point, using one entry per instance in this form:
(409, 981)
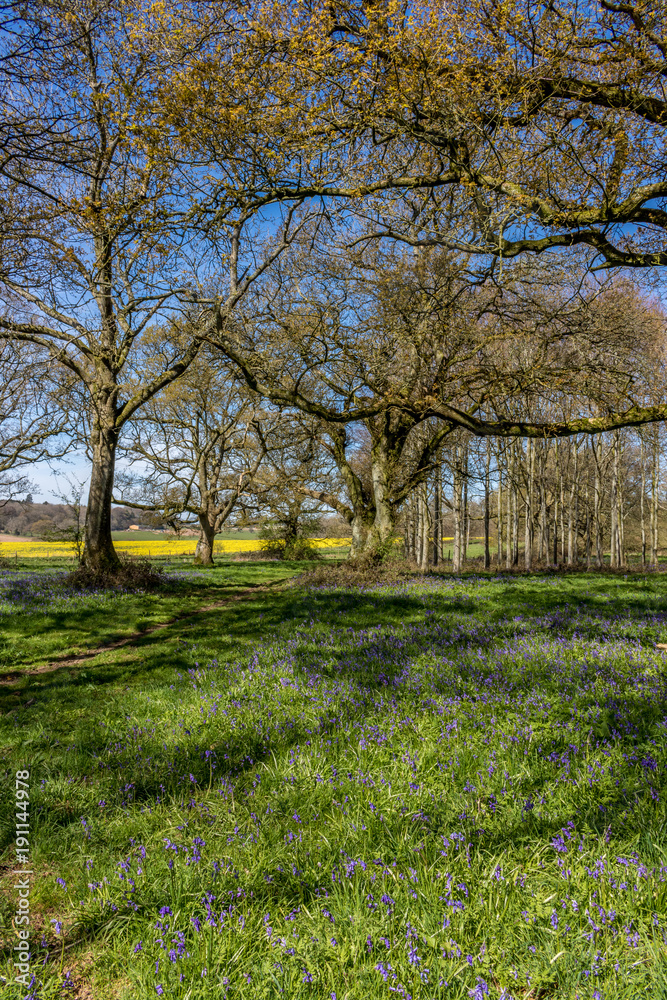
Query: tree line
(583, 502)
(304, 248)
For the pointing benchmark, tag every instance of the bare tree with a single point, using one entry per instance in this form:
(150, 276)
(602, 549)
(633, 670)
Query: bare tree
(202, 441)
(115, 220)
(399, 342)
(35, 416)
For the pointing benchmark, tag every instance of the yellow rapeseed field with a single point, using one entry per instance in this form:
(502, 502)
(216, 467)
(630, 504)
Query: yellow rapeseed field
(27, 549)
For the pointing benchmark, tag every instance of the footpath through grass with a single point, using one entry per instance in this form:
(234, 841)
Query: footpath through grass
(40, 619)
(428, 788)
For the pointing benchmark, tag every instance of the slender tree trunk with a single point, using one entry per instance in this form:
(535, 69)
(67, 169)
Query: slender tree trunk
(540, 472)
(436, 515)
(515, 506)
(528, 540)
(499, 515)
(622, 556)
(655, 477)
(556, 508)
(620, 506)
(414, 527)
(424, 524)
(572, 511)
(613, 507)
(597, 486)
(458, 510)
(99, 553)
(547, 536)
(642, 498)
(407, 528)
(588, 527)
(561, 504)
(556, 503)
(508, 510)
(466, 512)
(544, 513)
(204, 549)
(487, 470)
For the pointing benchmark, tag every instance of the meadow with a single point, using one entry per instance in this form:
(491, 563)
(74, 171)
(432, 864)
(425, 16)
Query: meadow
(415, 786)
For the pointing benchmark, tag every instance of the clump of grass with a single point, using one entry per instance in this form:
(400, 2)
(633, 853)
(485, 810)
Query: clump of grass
(130, 574)
(360, 573)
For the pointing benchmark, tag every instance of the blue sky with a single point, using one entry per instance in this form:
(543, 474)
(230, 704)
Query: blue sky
(52, 479)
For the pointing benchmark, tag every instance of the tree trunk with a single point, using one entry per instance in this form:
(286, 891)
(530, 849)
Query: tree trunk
(437, 509)
(487, 551)
(528, 534)
(561, 504)
(361, 502)
(621, 528)
(499, 515)
(359, 527)
(655, 474)
(99, 553)
(555, 557)
(466, 512)
(407, 529)
(588, 527)
(597, 525)
(546, 533)
(378, 539)
(515, 508)
(572, 511)
(545, 547)
(458, 511)
(614, 560)
(204, 549)
(620, 507)
(388, 435)
(642, 498)
(556, 503)
(424, 519)
(508, 510)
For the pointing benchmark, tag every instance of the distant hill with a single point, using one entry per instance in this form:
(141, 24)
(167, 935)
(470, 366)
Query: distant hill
(27, 519)
(32, 520)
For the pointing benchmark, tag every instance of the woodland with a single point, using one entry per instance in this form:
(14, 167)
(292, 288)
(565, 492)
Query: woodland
(314, 258)
(380, 285)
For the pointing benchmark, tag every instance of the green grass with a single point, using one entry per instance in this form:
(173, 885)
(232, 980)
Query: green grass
(434, 787)
(52, 626)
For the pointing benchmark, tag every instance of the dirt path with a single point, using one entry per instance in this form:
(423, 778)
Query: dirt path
(8, 680)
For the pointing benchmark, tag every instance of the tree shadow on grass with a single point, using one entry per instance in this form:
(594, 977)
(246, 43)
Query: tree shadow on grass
(158, 661)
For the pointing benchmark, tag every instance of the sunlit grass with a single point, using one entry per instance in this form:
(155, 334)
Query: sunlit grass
(431, 789)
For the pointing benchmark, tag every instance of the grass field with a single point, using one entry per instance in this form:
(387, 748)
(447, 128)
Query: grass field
(426, 788)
